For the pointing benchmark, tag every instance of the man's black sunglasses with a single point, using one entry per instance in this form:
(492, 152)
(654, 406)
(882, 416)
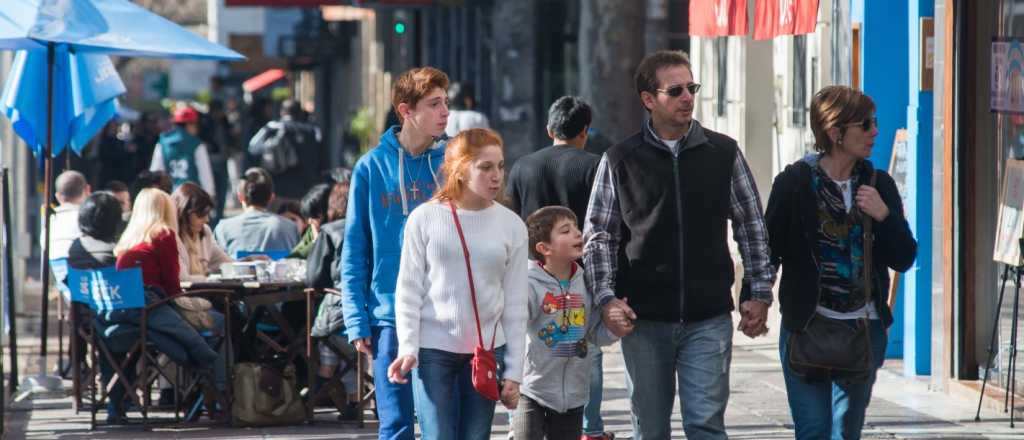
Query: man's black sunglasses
(677, 90)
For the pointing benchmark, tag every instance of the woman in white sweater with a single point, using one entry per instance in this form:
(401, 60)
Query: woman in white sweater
(435, 318)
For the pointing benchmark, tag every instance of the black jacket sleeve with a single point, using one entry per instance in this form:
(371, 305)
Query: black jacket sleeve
(319, 263)
(778, 214)
(894, 243)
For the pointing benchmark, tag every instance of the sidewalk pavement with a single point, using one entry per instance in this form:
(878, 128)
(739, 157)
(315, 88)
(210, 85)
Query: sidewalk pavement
(902, 408)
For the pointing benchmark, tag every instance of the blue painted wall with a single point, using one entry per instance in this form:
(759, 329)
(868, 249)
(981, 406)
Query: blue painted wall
(917, 293)
(885, 77)
(890, 74)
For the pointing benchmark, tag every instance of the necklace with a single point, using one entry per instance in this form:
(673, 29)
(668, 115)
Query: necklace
(413, 188)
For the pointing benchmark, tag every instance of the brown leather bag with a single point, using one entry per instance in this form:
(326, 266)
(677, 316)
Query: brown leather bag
(831, 348)
(266, 395)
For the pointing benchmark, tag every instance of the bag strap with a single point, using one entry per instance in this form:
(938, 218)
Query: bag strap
(869, 245)
(472, 286)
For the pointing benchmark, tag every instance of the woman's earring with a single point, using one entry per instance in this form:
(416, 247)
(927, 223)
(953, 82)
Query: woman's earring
(839, 140)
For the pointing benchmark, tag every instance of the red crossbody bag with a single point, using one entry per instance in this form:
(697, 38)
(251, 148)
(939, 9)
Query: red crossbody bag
(484, 364)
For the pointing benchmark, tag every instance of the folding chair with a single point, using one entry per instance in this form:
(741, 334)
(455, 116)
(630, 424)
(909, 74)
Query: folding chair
(357, 362)
(78, 333)
(59, 269)
(108, 290)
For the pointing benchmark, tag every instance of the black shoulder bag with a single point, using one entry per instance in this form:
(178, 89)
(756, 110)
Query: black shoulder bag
(832, 349)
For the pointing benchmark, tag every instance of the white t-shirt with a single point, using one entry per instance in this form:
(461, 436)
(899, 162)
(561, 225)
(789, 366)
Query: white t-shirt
(433, 307)
(673, 144)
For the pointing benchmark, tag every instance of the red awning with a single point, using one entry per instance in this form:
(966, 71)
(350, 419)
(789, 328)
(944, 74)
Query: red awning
(262, 80)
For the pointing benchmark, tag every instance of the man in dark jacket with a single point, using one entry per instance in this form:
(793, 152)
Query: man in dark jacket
(563, 174)
(656, 236)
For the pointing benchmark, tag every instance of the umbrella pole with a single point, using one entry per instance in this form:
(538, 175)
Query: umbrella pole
(42, 383)
(44, 263)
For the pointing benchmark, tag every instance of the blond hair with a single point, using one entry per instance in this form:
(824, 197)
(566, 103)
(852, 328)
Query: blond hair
(152, 215)
(459, 153)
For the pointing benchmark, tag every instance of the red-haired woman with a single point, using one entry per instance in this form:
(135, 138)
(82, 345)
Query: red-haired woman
(437, 321)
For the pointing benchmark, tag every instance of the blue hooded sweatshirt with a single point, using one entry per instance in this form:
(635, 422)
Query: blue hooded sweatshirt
(387, 184)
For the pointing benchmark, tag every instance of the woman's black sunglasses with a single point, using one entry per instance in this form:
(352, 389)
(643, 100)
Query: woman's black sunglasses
(677, 90)
(865, 125)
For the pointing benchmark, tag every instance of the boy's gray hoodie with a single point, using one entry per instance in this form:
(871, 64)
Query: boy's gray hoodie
(554, 375)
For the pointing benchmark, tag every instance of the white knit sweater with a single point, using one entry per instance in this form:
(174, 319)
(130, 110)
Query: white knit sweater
(433, 307)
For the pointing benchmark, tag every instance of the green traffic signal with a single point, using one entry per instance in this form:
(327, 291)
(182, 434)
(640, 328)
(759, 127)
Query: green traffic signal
(400, 27)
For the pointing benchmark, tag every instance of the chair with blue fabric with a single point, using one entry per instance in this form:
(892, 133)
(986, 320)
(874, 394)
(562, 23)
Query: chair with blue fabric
(74, 368)
(274, 255)
(122, 336)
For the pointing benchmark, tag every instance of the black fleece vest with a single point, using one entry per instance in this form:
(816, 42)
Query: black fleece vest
(674, 263)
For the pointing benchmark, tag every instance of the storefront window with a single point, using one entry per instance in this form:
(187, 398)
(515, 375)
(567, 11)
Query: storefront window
(1009, 142)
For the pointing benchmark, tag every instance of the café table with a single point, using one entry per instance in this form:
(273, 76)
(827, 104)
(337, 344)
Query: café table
(257, 297)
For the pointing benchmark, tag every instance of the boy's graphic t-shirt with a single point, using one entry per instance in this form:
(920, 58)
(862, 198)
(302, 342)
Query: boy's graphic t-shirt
(566, 320)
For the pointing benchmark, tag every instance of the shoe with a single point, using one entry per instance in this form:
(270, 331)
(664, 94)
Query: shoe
(166, 397)
(350, 413)
(601, 436)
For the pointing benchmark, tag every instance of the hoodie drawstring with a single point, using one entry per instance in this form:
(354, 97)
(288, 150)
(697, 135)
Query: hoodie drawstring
(401, 175)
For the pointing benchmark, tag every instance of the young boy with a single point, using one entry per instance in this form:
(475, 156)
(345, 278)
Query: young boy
(563, 319)
(389, 182)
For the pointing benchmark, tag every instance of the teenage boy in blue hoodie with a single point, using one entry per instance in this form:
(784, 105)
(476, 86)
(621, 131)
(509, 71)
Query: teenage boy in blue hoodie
(387, 184)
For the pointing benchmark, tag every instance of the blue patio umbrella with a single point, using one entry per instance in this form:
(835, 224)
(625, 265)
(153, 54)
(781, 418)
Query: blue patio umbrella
(85, 27)
(85, 89)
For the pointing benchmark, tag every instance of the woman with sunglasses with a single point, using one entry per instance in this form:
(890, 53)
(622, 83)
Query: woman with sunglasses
(198, 253)
(823, 214)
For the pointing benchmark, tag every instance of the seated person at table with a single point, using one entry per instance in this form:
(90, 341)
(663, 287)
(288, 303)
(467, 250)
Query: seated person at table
(322, 272)
(198, 253)
(152, 179)
(202, 255)
(256, 229)
(99, 218)
(313, 209)
(291, 210)
(72, 189)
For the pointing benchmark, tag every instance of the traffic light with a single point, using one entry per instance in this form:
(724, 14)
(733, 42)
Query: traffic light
(399, 27)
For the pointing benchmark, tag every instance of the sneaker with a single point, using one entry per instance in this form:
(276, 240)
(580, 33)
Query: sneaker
(601, 436)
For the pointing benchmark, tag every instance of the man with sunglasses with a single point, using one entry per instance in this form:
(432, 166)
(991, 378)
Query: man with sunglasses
(656, 252)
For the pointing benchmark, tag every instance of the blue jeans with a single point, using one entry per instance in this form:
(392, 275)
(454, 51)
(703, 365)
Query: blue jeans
(592, 422)
(831, 409)
(448, 406)
(697, 355)
(394, 401)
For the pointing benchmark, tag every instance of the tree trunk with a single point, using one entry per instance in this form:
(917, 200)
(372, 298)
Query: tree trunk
(611, 44)
(515, 67)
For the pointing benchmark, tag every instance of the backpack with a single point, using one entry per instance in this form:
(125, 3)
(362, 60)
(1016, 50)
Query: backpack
(277, 152)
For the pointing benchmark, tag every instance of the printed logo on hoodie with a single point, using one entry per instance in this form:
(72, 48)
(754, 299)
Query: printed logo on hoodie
(566, 325)
(417, 194)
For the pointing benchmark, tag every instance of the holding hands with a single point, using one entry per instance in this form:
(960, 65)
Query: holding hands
(753, 318)
(618, 317)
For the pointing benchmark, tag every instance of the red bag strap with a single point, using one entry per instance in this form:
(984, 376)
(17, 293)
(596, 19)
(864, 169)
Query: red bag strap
(472, 286)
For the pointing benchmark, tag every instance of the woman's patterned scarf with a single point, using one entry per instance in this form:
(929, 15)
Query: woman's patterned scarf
(840, 243)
